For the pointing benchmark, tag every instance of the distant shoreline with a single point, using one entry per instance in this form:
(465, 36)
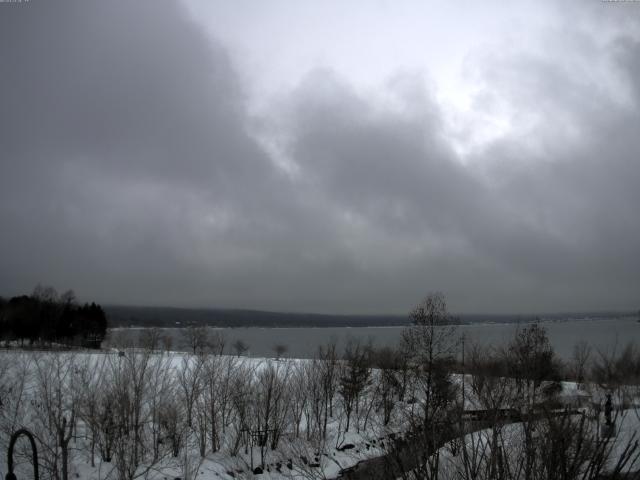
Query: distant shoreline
(629, 317)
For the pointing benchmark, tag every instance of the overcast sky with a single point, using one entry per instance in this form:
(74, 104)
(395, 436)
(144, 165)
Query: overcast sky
(343, 157)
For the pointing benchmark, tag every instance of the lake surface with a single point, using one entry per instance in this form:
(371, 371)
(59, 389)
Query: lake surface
(601, 334)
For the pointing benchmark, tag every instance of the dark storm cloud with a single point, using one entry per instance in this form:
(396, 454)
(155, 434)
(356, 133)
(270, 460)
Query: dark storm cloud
(130, 171)
(427, 219)
(120, 124)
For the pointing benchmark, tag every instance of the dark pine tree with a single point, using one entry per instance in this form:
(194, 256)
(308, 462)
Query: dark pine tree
(49, 318)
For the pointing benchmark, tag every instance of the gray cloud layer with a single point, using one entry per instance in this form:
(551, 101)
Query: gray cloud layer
(132, 172)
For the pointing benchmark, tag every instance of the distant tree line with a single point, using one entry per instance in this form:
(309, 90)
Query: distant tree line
(46, 318)
(164, 317)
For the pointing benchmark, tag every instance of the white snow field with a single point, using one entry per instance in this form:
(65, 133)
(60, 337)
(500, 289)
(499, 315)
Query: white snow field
(173, 415)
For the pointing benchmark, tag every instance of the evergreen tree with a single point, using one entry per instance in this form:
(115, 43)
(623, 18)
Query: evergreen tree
(46, 317)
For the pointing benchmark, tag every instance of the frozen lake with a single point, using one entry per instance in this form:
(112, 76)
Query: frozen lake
(601, 334)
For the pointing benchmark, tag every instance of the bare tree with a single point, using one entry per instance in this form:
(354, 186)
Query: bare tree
(271, 404)
(151, 338)
(161, 386)
(532, 362)
(217, 343)
(579, 363)
(240, 347)
(492, 393)
(328, 371)
(430, 344)
(532, 365)
(201, 421)
(172, 424)
(130, 380)
(388, 379)
(243, 391)
(14, 381)
(564, 446)
(545, 443)
(189, 384)
(315, 409)
(354, 378)
(196, 338)
(56, 414)
(91, 379)
(299, 393)
(617, 372)
(217, 382)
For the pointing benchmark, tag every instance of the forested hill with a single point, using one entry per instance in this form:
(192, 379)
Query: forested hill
(125, 316)
(122, 316)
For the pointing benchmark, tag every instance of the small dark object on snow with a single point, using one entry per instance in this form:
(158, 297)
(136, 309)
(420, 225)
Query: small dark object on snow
(257, 471)
(607, 410)
(346, 446)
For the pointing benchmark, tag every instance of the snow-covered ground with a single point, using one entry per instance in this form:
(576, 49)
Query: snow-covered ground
(295, 457)
(25, 377)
